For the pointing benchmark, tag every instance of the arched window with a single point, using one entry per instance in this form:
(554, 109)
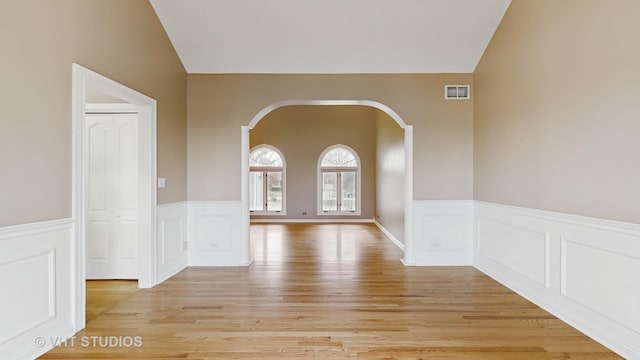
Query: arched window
(266, 181)
(339, 181)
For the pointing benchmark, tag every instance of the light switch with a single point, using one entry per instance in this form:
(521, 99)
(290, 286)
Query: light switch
(162, 183)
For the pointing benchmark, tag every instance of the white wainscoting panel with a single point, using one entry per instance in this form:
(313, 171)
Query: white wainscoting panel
(214, 233)
(524, 250)
(442, 232)
(585, 271)
(615, 273)
(172, 239)
(37, 292)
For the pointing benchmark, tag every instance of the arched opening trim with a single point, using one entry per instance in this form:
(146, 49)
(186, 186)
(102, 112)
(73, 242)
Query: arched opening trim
(374, 104)
(408, 258)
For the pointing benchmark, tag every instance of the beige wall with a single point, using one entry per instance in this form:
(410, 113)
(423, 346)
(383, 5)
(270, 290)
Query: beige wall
(219, 104)
(121, 39)
(302, 133)
(390, 175)
(557, 110)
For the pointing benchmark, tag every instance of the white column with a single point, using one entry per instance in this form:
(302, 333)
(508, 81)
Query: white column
(408, 196)
(244, 195)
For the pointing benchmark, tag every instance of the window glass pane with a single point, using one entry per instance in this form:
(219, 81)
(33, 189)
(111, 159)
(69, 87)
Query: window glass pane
(263, 156)
(348, 191)
(329, 191)
(463, 92)
(452, 92)
(255, 191)
(274, 191)
(339, 157)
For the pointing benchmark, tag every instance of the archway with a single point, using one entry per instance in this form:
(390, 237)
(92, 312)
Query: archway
(408, 147)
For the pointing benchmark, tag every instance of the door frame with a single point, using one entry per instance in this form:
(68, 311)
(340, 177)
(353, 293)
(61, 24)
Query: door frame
(408, 256)
(82, 79)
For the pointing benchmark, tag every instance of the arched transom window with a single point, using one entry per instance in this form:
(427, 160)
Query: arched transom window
(339, 181)
(266, 180)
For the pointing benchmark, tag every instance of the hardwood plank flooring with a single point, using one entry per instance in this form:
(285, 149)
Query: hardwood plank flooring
(324, 291)
(104, 294)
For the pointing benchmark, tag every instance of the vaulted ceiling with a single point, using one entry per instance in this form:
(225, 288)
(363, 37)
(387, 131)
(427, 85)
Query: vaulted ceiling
(330, 36)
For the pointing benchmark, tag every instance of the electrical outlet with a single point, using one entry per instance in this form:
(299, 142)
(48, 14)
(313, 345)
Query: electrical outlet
(304, 213)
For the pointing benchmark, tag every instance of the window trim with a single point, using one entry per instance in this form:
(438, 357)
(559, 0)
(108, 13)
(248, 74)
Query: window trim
(265, 169)
(358, 170)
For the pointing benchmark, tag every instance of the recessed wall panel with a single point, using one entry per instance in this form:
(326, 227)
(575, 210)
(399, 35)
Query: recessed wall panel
(28, 294)
(521, 249)
(443, 232)
(603, 281)
(172, 240)
(213, 232)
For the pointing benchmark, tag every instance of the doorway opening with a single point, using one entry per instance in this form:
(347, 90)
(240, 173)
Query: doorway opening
(406, 167)
(90, 87)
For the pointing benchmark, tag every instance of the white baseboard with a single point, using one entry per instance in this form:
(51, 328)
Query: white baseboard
(393, 239)
(37, 291)
(585, 271)
(172, 246)
(311, 221)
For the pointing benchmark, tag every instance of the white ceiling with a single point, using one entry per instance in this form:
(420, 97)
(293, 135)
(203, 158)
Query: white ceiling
(330, 36)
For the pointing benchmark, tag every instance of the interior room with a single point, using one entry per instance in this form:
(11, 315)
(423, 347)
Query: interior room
(285, 179)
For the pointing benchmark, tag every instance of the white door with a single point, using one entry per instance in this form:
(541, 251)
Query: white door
(112, 196)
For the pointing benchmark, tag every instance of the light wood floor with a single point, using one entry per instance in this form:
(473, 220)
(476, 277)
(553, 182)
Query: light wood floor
(325, 291)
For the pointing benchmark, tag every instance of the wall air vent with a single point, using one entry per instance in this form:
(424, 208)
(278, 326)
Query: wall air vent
(457, 92)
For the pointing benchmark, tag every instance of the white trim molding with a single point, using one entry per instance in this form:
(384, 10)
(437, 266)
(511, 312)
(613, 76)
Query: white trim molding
(245, 214)
(36, 306)
(83, 79)
(370, 103)
(408, 258)
(388, 233)
(583, 270)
